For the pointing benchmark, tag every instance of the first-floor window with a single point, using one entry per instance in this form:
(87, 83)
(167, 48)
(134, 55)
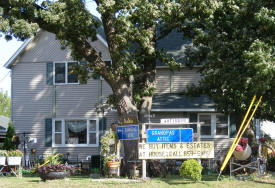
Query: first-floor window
(205, 125)
(221, 124)
(214, 125)
(69, 132)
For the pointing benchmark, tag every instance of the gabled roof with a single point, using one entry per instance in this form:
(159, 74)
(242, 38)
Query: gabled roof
(173, 102)
(4, 123)
(175, 46)
(100, 36)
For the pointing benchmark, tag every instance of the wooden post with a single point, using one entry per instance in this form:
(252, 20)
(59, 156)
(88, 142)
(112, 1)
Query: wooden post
(118, 153)
(143, 160)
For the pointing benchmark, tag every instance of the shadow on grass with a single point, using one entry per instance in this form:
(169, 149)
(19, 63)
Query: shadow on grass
(176, 180)
(262, 182)
(79, 177)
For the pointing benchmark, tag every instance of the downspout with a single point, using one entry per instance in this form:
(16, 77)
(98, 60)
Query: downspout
(54, 102)
(100, 113)
(11, 104)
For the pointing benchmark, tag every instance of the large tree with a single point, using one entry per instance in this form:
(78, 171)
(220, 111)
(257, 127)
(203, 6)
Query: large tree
(130, 28)
(4, 104)
(234, 42)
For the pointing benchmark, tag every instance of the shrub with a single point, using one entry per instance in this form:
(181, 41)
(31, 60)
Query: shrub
(11, 142)
(271, 163)
(191, 168)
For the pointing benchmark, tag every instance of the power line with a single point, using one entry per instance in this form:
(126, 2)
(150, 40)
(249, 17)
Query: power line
(4, 77)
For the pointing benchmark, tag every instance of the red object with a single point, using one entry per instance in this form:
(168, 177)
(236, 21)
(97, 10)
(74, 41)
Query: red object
(263, 139)
(239, 148)
(242, 145)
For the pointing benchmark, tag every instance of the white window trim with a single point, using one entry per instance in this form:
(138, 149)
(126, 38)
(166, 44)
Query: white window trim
(66, 73)
(63, 133)
(213, 126)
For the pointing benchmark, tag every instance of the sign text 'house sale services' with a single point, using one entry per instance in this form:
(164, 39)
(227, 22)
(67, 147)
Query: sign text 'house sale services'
(202, 150)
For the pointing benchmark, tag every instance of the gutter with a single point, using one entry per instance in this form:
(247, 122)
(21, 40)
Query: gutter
(183, 110)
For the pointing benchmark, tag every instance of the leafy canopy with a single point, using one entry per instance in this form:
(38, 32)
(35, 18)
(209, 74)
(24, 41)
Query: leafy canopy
(235, 44)
(129, 26)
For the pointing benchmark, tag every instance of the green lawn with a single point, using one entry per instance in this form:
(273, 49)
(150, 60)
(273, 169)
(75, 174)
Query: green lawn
(85, 182)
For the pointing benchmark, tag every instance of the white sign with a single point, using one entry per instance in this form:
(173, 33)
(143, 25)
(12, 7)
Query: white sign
(175, 121)
(201, 150)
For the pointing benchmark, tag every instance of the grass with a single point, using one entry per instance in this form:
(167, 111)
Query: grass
(173, 181)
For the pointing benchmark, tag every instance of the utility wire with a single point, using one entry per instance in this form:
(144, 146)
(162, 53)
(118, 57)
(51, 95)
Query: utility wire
(4, 77)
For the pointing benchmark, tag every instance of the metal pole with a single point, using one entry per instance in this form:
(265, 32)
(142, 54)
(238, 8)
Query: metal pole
(24, 137)
(143, 160)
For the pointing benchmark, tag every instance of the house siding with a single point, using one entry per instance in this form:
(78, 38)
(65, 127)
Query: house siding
(185, 77)
(33, 99)
(176, 81)
(45, 47)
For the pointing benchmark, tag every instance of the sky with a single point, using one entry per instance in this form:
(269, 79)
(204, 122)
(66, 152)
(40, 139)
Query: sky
(7, 49)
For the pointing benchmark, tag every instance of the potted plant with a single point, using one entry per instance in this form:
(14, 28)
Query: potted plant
(112, 160)
(109, 146)
(3, 155)
(14, 157)
(55, 171)
(54, 168)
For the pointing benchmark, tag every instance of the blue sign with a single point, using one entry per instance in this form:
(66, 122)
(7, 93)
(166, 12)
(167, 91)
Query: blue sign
(169, 135)
(128, 132)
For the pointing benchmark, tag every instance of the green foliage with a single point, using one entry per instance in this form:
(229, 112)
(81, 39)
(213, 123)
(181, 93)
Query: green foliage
(11, 142)
(232, 41)
(192, 169)
(271, 162)
(14, 153)
(54, 159)
(27, 173)
(4, 104)
(130, 30)
(108, 140)
(3, 153)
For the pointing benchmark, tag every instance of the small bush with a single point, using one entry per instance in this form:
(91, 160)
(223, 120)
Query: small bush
(271, 163)
(192, 169)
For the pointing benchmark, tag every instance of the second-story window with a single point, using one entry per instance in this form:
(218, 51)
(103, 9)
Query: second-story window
(63, 73)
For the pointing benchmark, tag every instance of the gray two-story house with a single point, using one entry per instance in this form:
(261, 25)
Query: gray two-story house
(51, 105)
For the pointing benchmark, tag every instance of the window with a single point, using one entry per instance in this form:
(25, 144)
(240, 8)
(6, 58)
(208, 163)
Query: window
(221, 124)
(79, 132)
(214, 125)
(205, 125)
(58, 132)
(63, 73)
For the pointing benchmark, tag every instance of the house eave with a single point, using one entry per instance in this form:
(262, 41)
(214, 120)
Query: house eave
(10, 62)
(13, 58)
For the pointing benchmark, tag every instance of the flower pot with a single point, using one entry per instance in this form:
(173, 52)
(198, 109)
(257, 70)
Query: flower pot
(54, 175)
(113, 167)
(2, 160)
(113, 164)
(14, 160)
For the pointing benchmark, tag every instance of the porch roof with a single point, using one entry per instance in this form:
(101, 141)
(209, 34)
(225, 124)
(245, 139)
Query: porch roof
(173, 102)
